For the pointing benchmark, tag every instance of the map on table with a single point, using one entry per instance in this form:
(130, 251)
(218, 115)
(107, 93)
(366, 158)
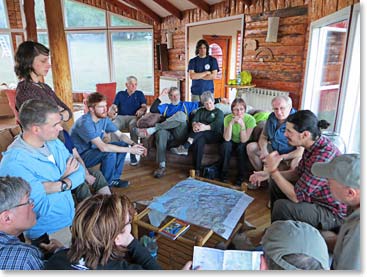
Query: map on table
(204, 204)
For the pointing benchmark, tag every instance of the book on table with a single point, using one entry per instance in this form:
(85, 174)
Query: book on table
(216, 259)
(174, 228)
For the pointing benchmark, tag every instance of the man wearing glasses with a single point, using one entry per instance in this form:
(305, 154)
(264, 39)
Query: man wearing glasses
(40, 158)
(17, 216)
(272, 138)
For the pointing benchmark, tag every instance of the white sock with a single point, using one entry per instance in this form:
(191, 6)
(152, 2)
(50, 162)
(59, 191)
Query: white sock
(151, 130)
(162, 164)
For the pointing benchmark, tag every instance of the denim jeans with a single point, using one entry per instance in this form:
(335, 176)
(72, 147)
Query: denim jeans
(112, 164)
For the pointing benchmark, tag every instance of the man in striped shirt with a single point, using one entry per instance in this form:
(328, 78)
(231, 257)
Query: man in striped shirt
(297, 194)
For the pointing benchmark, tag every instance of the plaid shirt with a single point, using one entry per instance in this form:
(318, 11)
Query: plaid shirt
(16, 255)
(312, 189)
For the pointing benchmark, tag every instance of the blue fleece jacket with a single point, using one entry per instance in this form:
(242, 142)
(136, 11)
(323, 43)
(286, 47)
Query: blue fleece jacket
(55, 210)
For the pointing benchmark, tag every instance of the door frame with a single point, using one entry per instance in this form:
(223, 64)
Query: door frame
(229, 48)
(206, 22)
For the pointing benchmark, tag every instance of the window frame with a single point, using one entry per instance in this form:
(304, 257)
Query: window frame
(345, 121)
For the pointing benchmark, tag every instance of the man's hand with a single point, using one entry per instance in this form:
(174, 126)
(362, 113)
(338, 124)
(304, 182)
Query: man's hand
(138, 149)
(163, 94)
(72, 165)
(112, 112)
(89, 178)
(52, 246)
(272, 161)
(258, 176)
(140, 112)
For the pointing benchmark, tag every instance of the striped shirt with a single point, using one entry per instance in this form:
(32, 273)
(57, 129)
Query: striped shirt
(312, 189)
(16, 255)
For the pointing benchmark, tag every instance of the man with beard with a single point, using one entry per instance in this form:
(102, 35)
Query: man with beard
(88, 133)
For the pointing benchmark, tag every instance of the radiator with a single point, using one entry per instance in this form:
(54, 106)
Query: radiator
(260, 98)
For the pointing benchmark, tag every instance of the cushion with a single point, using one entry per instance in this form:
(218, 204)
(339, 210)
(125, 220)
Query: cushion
(225, 108)
(149, 120)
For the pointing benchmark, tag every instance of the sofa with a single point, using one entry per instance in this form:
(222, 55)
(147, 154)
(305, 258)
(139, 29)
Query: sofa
(7, 137)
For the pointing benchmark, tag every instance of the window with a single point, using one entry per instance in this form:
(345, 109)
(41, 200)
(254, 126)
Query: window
(3, 15)
(332, 82)
(7, 74)
(133, 55)
(105, 47)
(88, 59)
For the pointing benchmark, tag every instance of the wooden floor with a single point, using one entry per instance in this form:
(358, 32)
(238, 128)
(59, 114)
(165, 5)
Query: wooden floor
(174, 254)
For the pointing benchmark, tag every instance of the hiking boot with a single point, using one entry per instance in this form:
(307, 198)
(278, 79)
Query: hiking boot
(119, 183)
(224, 177)
(133, 160)
(141, 132)
(160, 172)
(181, 150)
(239, 181)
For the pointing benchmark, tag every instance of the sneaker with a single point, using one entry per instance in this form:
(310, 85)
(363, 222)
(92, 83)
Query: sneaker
(133, 160)
(181, 150)
(160, 172)
(239, 181)
(119, 183)
(141, 132)
(252, 186)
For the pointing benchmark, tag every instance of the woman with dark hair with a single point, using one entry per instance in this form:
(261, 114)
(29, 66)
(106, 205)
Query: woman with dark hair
(297, 194)
(203, 70)
(238, 127)
(31, 66)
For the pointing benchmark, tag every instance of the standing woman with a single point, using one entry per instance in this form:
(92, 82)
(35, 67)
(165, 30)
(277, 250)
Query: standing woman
(238, 127)
(31, 66)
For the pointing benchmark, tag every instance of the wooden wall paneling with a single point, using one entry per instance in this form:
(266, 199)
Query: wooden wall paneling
(330, 6)
(316, 11)
(296, 3)
(266, 6)
(287, 3)
(272, 4)
(280, 4)
(345, 3)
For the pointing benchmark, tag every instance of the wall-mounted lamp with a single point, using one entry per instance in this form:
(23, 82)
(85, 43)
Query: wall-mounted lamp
(273, 25)
(169, 37)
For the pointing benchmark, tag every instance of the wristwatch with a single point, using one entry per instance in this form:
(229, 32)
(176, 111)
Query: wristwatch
(64, 185)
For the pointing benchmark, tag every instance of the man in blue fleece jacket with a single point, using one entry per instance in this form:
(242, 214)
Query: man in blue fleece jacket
(40, 158)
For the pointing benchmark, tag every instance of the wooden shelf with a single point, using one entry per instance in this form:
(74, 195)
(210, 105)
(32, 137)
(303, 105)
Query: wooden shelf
(239, 86)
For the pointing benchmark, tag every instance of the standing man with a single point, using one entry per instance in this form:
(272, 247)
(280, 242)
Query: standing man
(203, 70)
(44, 162)
(173, 129)
(343, 174)
(128, 106)
(87, 134)
(297, 194)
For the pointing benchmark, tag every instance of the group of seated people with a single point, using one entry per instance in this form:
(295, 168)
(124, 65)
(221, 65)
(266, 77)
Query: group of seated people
(44, 166)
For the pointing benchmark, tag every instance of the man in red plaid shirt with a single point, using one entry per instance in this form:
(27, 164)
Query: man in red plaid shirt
(297, 194)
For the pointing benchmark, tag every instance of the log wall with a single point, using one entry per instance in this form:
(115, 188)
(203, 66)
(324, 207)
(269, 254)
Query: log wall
(285, 72)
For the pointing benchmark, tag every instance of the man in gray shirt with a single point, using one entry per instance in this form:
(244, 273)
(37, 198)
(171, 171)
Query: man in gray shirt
(343, 173)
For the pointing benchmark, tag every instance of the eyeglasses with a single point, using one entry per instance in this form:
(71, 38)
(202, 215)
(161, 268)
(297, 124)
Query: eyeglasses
(29, 202)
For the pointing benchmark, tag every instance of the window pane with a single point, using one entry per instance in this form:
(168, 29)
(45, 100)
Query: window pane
(119, 21)
(89, 60)
(79, 15)
(43, 39)
(7, 61)
(133, 55)
(39, 10)
(3, 23)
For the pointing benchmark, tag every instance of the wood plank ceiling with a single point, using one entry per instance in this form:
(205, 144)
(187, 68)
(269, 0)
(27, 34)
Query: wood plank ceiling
(158, 9)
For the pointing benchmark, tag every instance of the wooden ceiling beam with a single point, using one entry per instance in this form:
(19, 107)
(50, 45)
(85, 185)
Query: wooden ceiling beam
(141, 7)
(170, 8)
(120, 5)
(201, 5)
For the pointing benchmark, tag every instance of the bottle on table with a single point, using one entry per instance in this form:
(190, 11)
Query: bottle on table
(238, 78)
(152, 245)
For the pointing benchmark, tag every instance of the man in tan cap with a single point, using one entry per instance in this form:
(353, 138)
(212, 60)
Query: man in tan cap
(343, 174)
(293, 245)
